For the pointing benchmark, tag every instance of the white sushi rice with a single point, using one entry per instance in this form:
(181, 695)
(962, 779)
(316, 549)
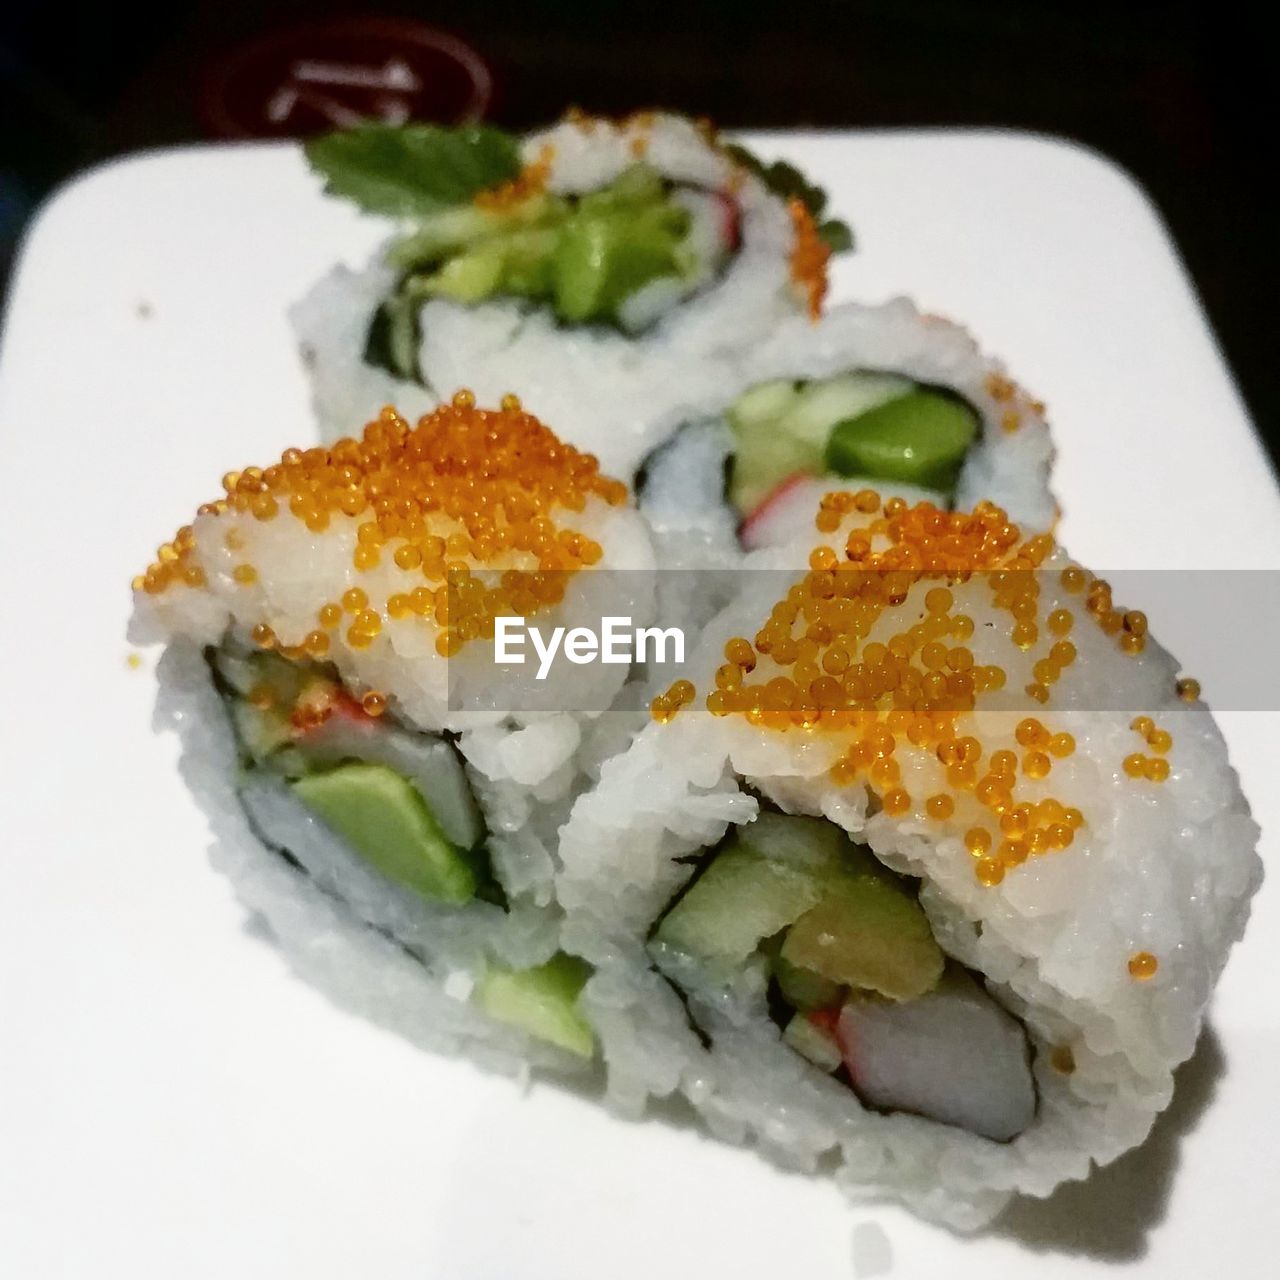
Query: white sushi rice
(1167, 869)
(616, 395)
(332, 323)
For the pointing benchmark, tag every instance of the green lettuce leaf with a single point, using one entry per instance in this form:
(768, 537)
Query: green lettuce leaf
(410, 170)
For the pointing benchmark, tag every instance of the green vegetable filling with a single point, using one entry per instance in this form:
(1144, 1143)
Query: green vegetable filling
(296, 721)
(541, 1001)
(824, 915)
(384, 818)
(583, 256)
(869, 426)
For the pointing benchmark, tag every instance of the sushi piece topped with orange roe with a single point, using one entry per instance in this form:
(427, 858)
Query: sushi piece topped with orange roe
(924, 777)
(422, 511)
(929, 648)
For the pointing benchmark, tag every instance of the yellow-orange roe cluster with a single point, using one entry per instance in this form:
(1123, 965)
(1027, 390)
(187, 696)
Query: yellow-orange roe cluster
(464, 506)
(1153, 767)
(530, 181)
(913, 687)
(640, 122)
(1014, 402)
(666, 705)
(317, 702)
(809, 257)
(1128, 626)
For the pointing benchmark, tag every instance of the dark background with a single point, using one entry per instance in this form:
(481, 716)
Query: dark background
(1177, 93)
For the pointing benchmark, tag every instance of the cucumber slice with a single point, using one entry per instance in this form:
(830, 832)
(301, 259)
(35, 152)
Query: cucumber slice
(741, 898)
(764, 405)
(259, 732)
(541, 1001)
(822, 404)
(780, 429)
(920, 439)
(763, 457)
(456, 229)
(438, 236)
(469, 277)
(393, 335)
(246, 672)
(639, 184)
(810, 1041)
(384, 818)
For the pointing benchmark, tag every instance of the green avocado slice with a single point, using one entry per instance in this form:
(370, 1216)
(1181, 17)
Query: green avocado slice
(541, 1001)
(605, 255)
(920, 438)
(868, 932)
(384, 818)
(804, 988)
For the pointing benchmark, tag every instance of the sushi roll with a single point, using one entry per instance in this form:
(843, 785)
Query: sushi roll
(381, 793)
(878, 395)
(924, 870)
(602, 267)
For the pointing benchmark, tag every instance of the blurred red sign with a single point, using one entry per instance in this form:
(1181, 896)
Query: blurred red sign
(329, 75)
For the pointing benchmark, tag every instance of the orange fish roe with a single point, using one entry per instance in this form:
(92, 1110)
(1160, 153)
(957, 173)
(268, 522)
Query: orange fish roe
(530, 181)
(645, 118)
(1188, 689)
(1153, 768)
(639, 124)
(1062, 1059)
(666, 705)
(1000, 388)
(464, 508)
(1014, 403)
(811, 667)
(809, 257)
(1143, 965)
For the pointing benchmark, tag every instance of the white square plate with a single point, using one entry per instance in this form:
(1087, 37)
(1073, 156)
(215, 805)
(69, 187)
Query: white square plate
(173, 1102)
